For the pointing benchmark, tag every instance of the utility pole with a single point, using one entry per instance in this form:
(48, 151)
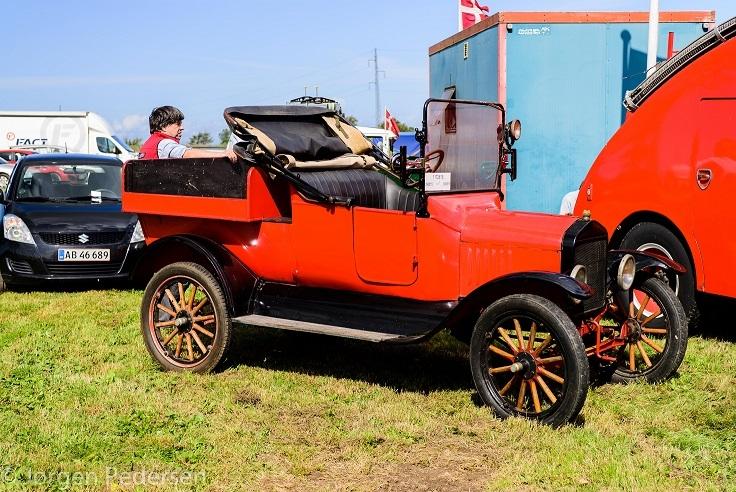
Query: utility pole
(376, 71)
(653, 35)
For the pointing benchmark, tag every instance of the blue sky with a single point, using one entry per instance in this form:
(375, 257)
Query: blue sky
(122, 59)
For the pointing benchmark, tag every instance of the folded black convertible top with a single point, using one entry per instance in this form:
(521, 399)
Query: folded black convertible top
(278, 111)
(298, 131)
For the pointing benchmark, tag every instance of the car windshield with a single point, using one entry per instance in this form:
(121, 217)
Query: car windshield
(462, 147)
(122, 143)
(72, 182)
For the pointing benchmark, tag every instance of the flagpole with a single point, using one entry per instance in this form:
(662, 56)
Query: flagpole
(653, 34)
(459, 17)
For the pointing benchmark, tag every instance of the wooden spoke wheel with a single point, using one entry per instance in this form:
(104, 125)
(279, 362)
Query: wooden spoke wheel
(184, 318)
(655, 331)
(528, 360)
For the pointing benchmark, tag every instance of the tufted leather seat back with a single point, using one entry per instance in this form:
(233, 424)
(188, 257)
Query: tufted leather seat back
(369, 188)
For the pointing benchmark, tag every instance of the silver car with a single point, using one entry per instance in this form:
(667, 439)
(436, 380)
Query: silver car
(5, 169)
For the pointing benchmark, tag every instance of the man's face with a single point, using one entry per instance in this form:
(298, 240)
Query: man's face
(174, 130)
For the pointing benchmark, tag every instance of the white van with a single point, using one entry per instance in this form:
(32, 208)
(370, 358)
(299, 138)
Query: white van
(72, 131)
(382, 138)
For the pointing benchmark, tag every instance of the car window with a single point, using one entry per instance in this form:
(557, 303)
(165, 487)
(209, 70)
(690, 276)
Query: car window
(70, 181)
(106, 145)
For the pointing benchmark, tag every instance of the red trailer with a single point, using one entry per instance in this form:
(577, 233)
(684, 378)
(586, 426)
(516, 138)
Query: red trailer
(664, 181)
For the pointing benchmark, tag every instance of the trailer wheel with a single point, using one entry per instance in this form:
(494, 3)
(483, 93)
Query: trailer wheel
(528, 360)
(185, 322)
(654, 238)
(656, 342)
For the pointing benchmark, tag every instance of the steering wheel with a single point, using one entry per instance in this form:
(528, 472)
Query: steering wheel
(438, 154)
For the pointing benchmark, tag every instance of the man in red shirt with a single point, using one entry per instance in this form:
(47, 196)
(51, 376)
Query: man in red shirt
(166, 127)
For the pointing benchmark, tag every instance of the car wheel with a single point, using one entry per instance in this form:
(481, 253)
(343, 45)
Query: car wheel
(656, 342)
(185, 321)
(655, 238)
(4, 180)
(528, 360)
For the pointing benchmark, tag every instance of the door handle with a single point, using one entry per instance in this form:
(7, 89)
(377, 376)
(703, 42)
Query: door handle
(704, 178)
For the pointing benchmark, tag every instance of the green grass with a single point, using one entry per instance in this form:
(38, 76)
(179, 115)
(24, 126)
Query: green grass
(79, 394)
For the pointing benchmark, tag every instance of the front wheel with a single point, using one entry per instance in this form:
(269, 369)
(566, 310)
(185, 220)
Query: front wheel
(4, 180)
(185, 322)
(528, 360)
(656, 335)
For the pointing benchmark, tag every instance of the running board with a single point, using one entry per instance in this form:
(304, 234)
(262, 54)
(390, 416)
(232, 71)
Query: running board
(335, 331)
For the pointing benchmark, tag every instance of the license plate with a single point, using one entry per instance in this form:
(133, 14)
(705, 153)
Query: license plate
(84, 254)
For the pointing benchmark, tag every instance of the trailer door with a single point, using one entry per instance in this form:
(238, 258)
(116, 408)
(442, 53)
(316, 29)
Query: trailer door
(714, 184)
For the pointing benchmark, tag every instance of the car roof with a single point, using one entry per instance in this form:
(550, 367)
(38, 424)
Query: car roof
(59, 158)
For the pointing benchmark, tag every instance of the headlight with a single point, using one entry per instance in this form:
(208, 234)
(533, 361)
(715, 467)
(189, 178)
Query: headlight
(137, 233)
(580, 274)
(14, 229)
(514, 128)
(626, 272)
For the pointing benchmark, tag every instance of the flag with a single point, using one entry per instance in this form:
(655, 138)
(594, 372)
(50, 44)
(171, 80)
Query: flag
(390, 124)
(470, 12)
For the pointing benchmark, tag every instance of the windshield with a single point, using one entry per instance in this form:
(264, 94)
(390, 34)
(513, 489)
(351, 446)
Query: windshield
(462, 150)
(59, 182)
(122, 143)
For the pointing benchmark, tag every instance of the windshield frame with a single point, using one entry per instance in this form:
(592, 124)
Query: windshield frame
(501, 150)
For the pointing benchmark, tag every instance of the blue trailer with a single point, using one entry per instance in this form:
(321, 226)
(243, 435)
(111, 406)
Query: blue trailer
(564, 75)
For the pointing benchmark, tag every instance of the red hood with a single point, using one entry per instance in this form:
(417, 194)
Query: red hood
(494, 242)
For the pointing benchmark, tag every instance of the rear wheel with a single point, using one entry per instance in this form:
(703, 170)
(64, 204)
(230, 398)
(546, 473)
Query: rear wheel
(654, 238)
(185, 322)
(4, 180)
(528, 360)
(656, 335)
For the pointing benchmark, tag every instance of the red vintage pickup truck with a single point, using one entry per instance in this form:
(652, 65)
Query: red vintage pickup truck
(312, 230)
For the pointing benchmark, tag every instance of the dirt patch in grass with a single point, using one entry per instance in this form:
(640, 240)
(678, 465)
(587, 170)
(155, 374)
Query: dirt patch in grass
(449, 464)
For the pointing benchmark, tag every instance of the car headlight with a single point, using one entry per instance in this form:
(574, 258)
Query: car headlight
(137, 233)
(626, 272)
(14, 229)
(580, 274)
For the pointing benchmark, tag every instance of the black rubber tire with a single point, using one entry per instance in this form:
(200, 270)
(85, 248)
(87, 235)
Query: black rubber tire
(676, 345)
(4, 182)
(653, 233)
(213, 290)
(3, 285)
(577, 372)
